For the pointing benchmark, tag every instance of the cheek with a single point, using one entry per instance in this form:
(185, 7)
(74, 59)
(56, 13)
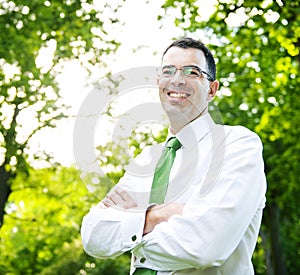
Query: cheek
(200, 98)
(159, 83)
(160, 92)
(202, 91)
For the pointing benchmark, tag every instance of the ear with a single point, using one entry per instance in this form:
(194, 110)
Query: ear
(213, 88)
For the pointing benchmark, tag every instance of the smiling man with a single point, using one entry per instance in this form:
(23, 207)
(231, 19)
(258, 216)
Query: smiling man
(185, 84)
(200, 211)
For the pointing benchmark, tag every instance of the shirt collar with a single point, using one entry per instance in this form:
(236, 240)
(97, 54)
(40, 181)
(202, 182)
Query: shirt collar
(193, 132)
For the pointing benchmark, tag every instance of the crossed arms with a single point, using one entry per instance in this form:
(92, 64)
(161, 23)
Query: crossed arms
(154, 215)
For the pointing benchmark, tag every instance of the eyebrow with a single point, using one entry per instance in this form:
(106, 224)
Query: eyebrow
(193, 66)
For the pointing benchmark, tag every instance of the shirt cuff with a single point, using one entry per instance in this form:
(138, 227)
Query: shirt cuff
(133, 222)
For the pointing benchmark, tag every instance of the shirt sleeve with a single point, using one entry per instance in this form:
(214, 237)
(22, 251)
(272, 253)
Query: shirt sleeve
(214, 223)
(108, 233)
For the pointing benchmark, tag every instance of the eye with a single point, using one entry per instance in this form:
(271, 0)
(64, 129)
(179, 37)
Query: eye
(191, 71)
(168, 71)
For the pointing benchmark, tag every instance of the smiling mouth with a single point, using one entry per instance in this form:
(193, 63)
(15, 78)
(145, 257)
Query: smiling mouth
(178, 94)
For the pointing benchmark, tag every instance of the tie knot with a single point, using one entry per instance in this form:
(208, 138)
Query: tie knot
(174, 143)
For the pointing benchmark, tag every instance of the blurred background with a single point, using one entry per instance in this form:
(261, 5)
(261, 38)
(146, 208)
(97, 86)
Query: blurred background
(52, 53)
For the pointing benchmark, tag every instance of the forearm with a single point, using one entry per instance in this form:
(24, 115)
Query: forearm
(110, 231)
(160, 213)
(107, 233)
(198, 239)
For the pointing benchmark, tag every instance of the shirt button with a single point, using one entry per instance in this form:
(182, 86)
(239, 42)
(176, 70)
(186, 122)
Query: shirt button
(133, 238)
(142, 260)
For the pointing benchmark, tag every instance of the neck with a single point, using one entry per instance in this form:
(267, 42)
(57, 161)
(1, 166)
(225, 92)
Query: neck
(179, 122)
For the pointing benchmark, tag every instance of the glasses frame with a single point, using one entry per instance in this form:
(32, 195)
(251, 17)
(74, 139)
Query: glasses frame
(201, 72)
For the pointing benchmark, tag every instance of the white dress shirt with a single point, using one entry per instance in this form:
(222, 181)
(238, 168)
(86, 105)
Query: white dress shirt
(218, 174)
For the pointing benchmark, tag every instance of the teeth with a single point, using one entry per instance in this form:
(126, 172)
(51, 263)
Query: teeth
(178, 95)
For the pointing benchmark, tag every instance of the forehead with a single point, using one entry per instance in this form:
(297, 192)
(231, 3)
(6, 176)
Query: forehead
(182, 57)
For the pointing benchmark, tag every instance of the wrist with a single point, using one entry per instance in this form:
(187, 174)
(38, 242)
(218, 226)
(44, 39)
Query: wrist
(152, 218)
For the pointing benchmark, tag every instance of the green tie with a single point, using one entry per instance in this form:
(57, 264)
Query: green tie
(144, 271)
(162, 171)
(160, 184)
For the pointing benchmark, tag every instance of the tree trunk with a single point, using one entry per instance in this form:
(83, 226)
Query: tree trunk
(273, 222)
(5, 191)
(265, 236)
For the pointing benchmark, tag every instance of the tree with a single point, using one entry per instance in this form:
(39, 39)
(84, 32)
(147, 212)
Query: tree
(41, 230)
(40, 234)
(30, 99)
(257, 48)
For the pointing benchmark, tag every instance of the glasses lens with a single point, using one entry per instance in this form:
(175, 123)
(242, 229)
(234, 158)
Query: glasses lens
(168, 71)
(191, 71)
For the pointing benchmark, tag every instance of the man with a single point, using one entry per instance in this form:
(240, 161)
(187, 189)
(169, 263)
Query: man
(208, 219)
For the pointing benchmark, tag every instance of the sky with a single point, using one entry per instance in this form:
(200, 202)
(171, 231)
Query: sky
(143, 39)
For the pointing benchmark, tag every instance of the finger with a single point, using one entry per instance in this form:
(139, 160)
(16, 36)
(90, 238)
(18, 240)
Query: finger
(124, 195)
(101, 205)
(116, 198)
(128, 201)
(108, 202)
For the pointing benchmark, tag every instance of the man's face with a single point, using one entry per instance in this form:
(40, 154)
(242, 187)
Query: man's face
(185, 98)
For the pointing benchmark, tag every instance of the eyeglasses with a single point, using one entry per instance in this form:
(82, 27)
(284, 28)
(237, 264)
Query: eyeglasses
(191, 71)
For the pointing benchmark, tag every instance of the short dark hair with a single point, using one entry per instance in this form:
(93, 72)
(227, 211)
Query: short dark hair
(187, 42)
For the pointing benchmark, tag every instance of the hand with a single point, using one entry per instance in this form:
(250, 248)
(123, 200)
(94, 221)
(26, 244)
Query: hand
(160, 213)
(118, 197)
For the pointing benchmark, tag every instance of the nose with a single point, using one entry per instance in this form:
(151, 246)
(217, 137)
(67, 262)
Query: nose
(178, 78)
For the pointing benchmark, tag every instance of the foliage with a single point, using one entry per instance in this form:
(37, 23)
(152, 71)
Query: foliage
(40, 234)
(29, 91)
(257, 48)
(45, 208)
(41, 230)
